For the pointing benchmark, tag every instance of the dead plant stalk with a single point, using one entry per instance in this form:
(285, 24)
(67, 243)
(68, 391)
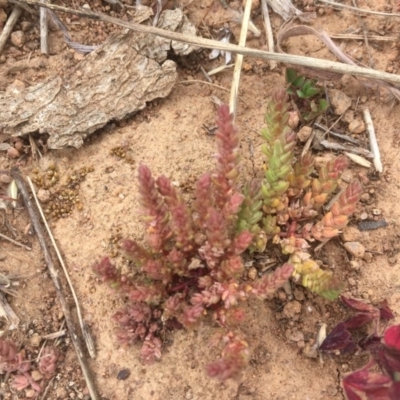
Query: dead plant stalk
(15, 174)
(213, 44)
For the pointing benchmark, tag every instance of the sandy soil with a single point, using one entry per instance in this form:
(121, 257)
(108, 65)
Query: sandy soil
(169, 137)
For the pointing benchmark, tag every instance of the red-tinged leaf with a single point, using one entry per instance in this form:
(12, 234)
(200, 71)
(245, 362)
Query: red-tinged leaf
(395, 391)
(384, 311)
(372, 344)
(338, 339)
(351, 394)
(358, 305)
(359, 320)
(367, 382)
(379, 394)
(392, 337)
(389, 360)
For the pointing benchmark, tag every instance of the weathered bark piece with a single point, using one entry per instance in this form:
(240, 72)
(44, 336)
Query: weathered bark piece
(111, 83)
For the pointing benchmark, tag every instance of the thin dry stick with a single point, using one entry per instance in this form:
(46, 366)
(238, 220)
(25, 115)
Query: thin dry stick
(372, 140)
(239, 60)
(9, 26)
(268, 31)
(206, 83)
(14, 242)
(54, 335)
(214, 44)
(15, 174)
(44, 30)
(84, 328)
(7, 312)
(353, 36)
(361, 10)
(347, 138)
(341, 147)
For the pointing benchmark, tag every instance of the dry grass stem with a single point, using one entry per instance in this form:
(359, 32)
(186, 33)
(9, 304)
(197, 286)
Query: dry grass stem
(353, 36)
(7, 312)
(359, 160)
(9, 26)
(84, 328)
(213, 44)
(15, 242)
(44, 30)
(268, 31)
(32, 211)
(360, 10)
(55, 335)
(340, 147)
(372, 141)
(239, 59)
(347, 138)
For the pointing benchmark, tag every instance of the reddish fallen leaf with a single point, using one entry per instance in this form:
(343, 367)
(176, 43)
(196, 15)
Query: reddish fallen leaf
(359, 320)
(338, 339)
(392, 337)
(374, 385)
(384, 311)
(358, 305)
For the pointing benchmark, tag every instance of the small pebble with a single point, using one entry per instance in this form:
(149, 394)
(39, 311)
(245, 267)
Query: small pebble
(365, 197)
(25, 25)
(17, 38)
(36, 375)
(304, 133)
(352, 282)
(5, 178)
(369, 225)
(368, 257)
(12, 152)
(292, 309)
(252, 274)
(339, 101)
(350, 234)
(357, 126)
(294, 120)
(30, 393)
(348, 116)
(356, 249)
(355, 265)
(123, 374)
(282, 295)
(35, 340)
(298, 294)
(44, 195)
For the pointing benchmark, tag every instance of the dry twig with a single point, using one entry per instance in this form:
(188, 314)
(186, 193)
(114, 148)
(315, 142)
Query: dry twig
(44, 30)
(56, 280)
(9, 26)
(372, 141)
(7, 312)
(347, 138)
(213, 44)
(340, 147)
(14, 242)
(84, 327)
(360, 10)
(239, 59)
(268, 31)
